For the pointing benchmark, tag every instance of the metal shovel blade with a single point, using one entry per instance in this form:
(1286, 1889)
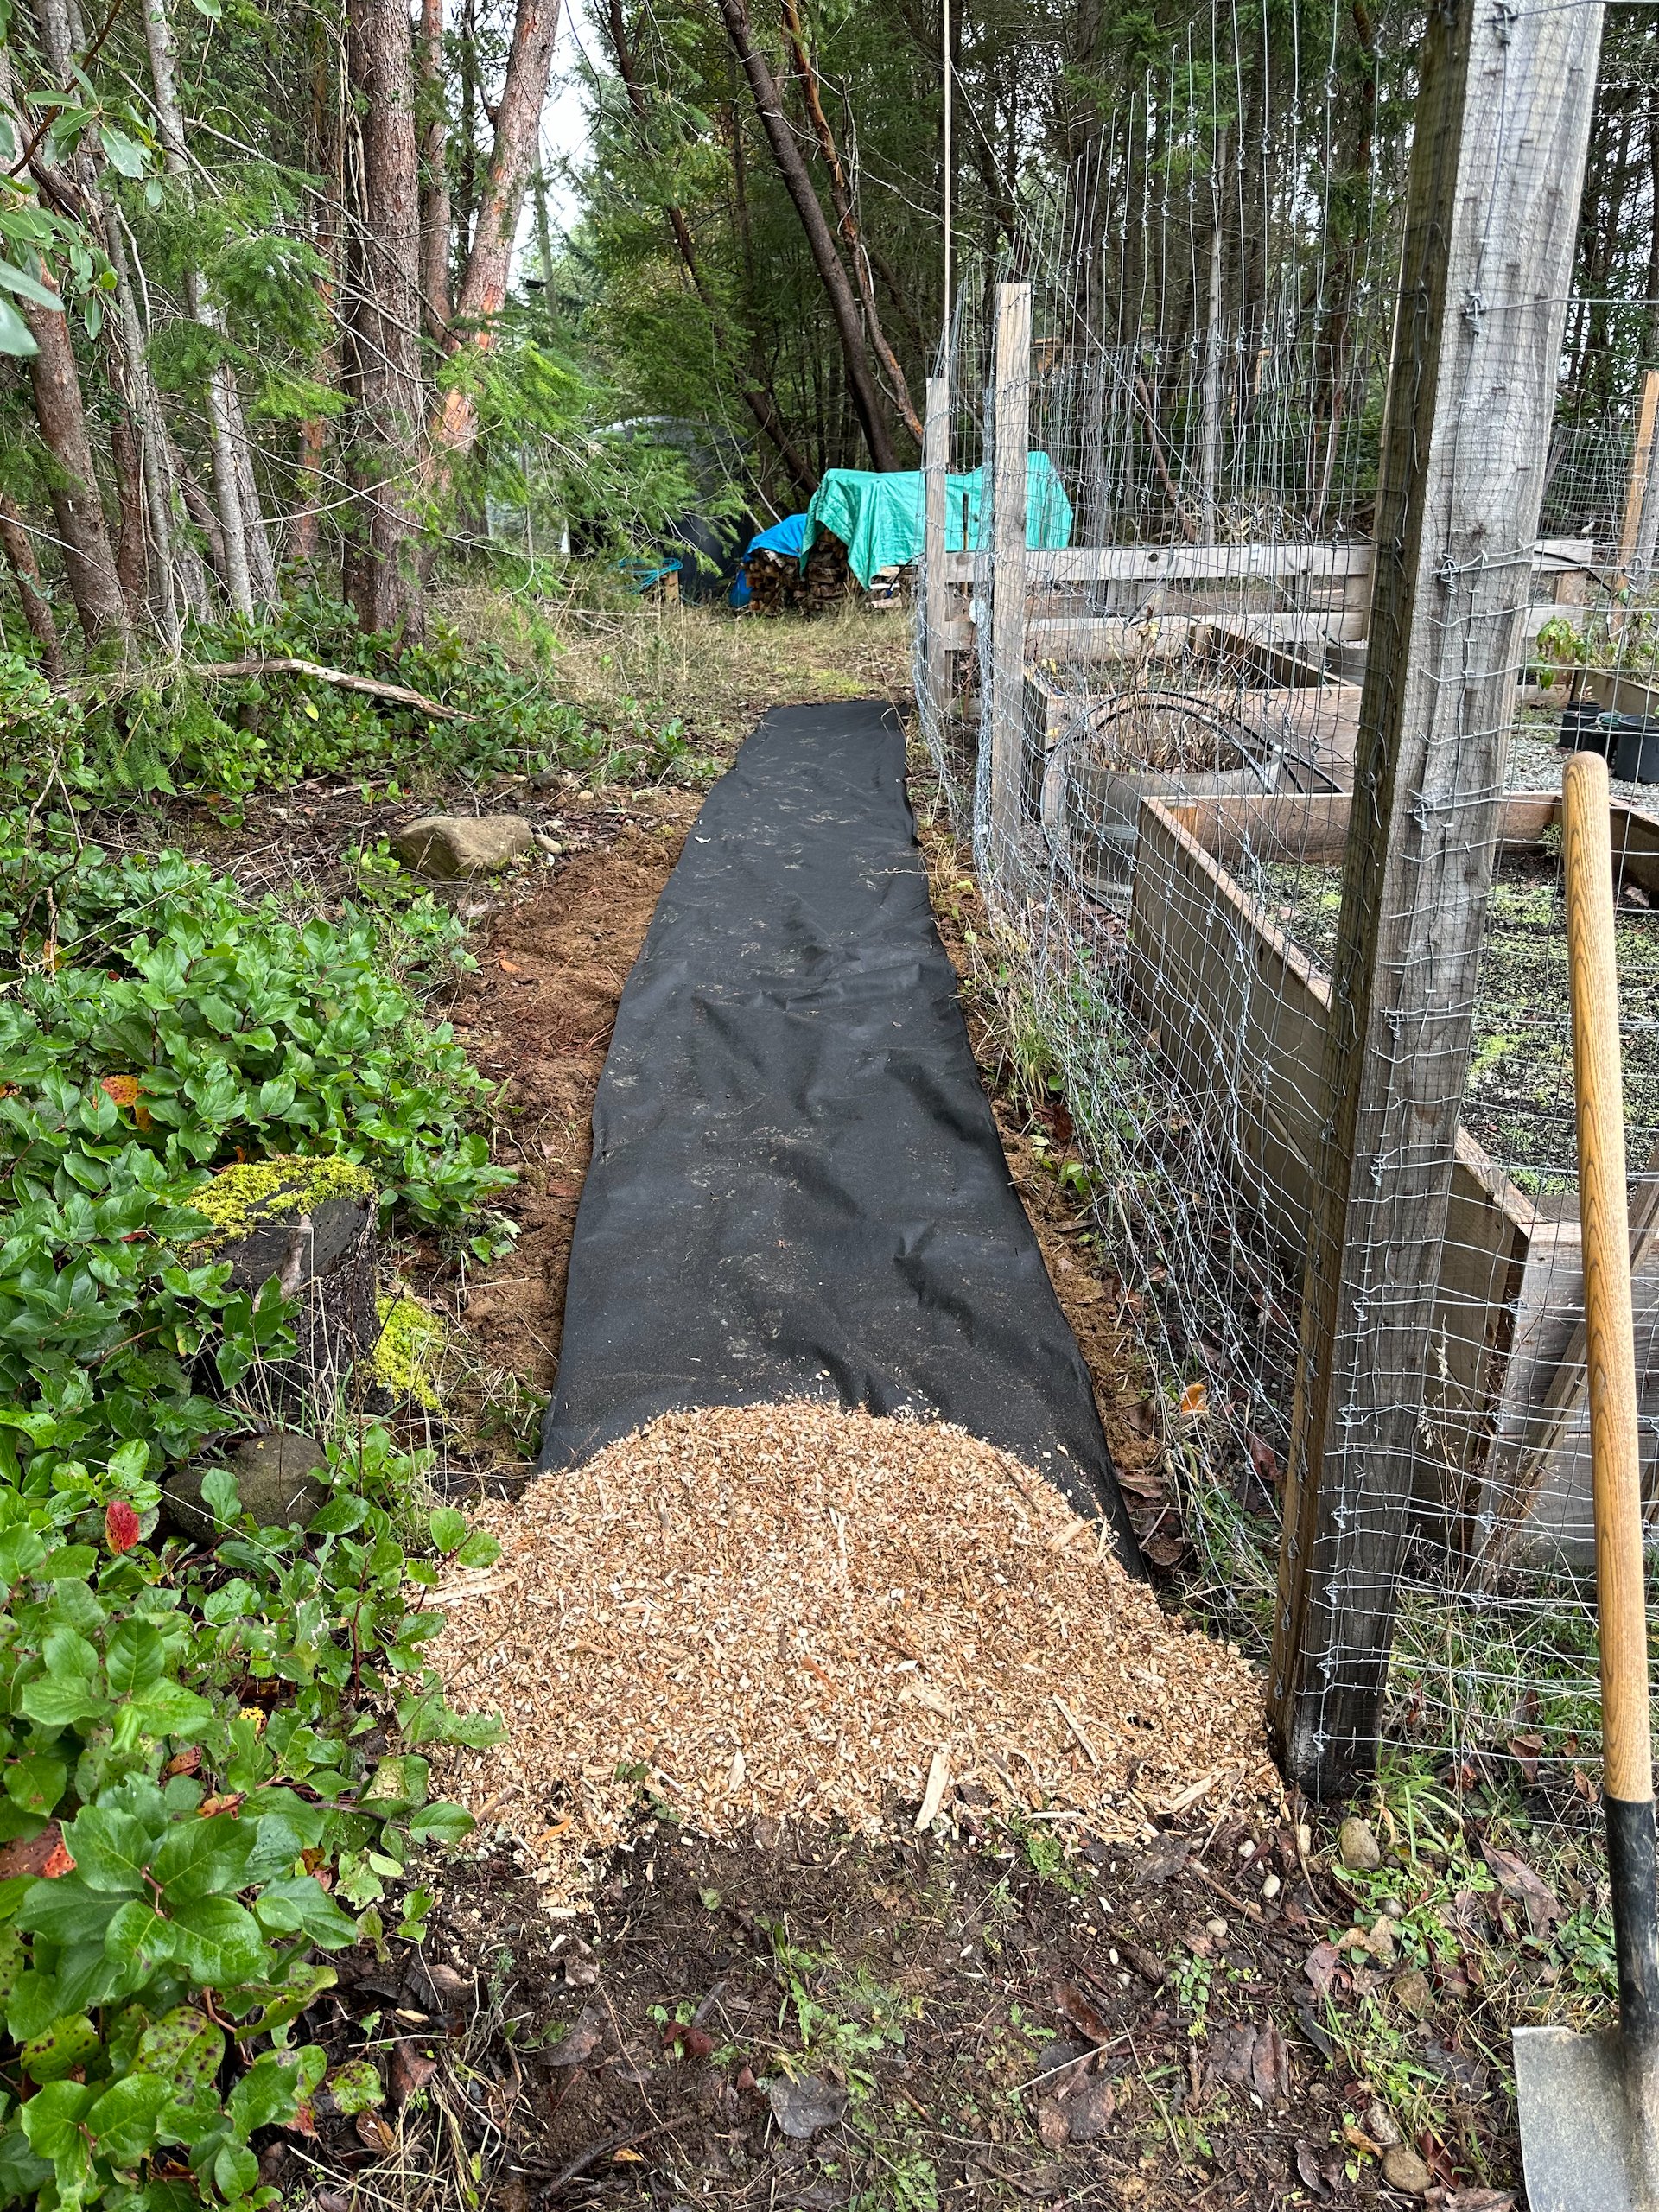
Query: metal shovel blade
(1583, 2148)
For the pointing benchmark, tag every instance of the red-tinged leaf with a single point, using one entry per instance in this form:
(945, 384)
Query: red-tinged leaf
(120, 1526)
(1526, 1752)
(188, 1761)
(120, 1090)
(44, 1855)
(1322, 1966)
(410, 2069)
(229, 1803)
(303, 2120)
(1081, 2013)
(693, 2042)
(1263, 1459)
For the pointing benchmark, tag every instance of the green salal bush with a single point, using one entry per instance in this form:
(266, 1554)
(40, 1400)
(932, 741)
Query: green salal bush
(191, 1817)
(158, 1027)
(213, 1763)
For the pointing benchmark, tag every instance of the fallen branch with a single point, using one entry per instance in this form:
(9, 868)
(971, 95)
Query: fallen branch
(286, 666)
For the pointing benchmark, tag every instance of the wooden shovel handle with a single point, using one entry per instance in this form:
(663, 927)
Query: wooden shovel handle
(1610, 1341)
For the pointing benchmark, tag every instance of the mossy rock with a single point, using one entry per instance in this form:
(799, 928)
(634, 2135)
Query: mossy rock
(275, 1480)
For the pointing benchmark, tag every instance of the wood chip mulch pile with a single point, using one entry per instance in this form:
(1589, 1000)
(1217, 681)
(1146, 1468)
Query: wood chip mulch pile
(791, 1611)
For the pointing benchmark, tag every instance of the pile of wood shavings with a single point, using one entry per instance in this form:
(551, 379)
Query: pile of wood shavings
(794, 1611)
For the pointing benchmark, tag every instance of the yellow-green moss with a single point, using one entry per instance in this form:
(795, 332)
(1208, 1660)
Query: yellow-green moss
(241, 1199)
(409, 1349)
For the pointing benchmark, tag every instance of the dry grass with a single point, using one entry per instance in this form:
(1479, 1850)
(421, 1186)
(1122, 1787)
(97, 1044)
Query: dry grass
(717, 672)
(794, 1611)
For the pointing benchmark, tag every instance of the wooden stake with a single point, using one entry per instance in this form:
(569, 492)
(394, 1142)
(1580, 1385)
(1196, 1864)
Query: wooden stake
(1641, 494)
(936, 459)
(1498, 166)
(1011, 406)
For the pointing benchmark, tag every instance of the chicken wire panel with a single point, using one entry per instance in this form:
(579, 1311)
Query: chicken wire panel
(1170, 965)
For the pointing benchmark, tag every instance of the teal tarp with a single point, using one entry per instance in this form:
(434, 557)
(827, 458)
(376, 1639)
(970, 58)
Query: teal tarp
(878, 517)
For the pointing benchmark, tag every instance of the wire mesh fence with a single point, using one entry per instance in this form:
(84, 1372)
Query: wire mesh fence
(1251, 693)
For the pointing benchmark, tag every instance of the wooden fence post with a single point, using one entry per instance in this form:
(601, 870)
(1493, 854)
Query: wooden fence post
(1011, 399)
(1497, 171)
(936, 460)
(1640, 523)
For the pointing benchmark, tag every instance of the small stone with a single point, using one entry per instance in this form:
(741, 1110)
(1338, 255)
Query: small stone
(1380, 1942)
(1413, 1995)
(1404, 2170)
(1218, 1928)
(801, 2108)
(1271, 1886)
(1356, 1848)
(448, 845)
(1382, 2126)
(273, 1480)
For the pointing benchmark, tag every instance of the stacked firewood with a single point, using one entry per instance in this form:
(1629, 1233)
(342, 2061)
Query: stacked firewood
(775, 582)
(827, 580)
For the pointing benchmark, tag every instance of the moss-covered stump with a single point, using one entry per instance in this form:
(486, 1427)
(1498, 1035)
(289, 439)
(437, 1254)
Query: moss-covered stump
(310, 1225)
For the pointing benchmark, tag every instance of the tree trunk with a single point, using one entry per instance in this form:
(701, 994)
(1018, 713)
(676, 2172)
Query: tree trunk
(131, 554)
(866, 398)
(381, 378)
(31, 594)
(515, 149)
(250, 573)
(807, 76)
(435, 176)
(83, 535)
(759, 401)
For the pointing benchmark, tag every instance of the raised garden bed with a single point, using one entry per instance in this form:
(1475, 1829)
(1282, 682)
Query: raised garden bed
(1240, 1010)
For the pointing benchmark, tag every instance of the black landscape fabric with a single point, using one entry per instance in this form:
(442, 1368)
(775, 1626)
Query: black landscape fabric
(797, 1188)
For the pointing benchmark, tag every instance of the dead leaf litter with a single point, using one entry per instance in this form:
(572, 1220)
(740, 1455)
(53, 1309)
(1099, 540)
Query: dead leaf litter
(794, 1611)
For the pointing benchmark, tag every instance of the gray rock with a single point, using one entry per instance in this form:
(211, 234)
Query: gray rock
(448, 845)
(801, 2108)
(274, 1480)
(1404, 2170)
(1356, 1848)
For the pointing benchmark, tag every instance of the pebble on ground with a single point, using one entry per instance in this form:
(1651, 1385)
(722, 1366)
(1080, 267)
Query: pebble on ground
(797, 1612)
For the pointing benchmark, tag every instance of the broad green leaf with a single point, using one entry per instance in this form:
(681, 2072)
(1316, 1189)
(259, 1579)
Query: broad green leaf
(306, 1983)
(110, 1849)
(267, 2093)
(35, 1784)
(58, 2049)
(66, 1910)
(200, 1858)
(138, 1933)
(125, 154)
(136, 1658)
(21, 2172)
(217, 1943)
(123, 2121)
(302, 1905)
(29, 287)
(21, 1552)
(441, 1823)
(168, 1709)
(15, 337)
(236, 2170)
(446, 1527)
(479, 1550)
(61, 1704)
(52, 2119)
(356, 2086)
(184, 2047)
(34, 2004)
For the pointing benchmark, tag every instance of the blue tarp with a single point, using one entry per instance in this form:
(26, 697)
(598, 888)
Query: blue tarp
(879, 516)
(785, 538)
